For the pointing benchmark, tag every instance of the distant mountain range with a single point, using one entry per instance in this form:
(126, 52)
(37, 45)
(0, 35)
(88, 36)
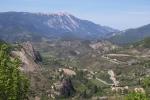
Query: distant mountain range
(131, 35)
(25, 26)
(22, 26)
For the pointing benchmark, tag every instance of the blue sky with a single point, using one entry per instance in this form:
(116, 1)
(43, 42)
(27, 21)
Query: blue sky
(120, 14)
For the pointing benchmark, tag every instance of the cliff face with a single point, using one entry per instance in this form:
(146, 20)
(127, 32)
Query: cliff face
(28, 56)
(29, 49)
(30, 65)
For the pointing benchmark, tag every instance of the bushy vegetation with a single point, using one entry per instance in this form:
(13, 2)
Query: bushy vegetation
(13, 84)
(147, 43)
(136, 96)
(144, 43)
(146, 82)
(146, 85)
(87, 88)
(139, 95)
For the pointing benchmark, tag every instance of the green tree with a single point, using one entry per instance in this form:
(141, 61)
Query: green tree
(13, 84)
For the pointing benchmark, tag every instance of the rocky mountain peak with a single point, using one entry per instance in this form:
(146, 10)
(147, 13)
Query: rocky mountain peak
(62, 14)
(28, 26)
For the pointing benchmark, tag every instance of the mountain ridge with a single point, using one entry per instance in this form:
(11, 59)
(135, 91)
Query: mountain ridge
(33, 26)
(130, 36)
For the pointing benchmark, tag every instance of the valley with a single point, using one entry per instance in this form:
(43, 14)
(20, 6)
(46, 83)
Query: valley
(113, 69)
(63, 57)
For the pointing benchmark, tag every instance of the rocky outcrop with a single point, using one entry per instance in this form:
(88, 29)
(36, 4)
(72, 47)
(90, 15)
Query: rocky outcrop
(28, 56)
(67, 72)
(67, 88)
(28, 47)
(103, 46)
(30, 65)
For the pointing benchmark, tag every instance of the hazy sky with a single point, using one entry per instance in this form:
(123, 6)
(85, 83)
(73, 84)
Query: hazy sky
(120, 14)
